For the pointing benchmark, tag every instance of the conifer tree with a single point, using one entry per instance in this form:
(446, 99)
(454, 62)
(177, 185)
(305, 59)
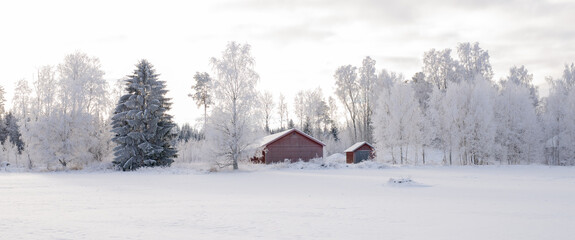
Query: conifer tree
(141, 124)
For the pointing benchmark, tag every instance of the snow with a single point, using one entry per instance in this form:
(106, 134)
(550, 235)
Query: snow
(281, 202)
(356, 146)
(270, 138)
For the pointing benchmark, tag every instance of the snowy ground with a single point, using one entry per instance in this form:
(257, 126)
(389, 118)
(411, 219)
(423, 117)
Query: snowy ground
(518, 202)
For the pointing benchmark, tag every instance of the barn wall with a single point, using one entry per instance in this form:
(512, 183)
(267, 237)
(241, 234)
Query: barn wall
(293, 146)
(349, 157)
(364, 147)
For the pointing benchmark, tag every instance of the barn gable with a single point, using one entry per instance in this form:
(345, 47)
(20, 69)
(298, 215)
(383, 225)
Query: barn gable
(291, 144)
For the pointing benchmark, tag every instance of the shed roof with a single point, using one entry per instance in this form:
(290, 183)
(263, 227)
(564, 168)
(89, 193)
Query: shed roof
(356, 146)
(274, 137)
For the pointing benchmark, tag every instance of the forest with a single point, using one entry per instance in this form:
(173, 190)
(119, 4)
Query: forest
(70, 117)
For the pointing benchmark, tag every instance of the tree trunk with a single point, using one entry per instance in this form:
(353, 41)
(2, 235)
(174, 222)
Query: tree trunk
(401, 154)
(205, 116)
(423, 154)
(235, 137)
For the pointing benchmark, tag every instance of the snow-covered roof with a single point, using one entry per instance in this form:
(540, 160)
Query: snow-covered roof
(356, 146)
(272, 138)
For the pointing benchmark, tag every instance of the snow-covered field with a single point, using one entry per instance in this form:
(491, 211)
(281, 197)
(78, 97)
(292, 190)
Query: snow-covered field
(490, 202)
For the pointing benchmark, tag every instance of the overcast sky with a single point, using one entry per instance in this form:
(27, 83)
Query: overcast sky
(297, 44)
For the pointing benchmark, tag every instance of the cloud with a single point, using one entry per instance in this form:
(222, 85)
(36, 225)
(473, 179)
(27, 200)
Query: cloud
(297, 33)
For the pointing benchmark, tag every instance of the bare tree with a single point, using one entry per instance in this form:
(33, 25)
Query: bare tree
(347, 90)
(282, 111)
(268, 104)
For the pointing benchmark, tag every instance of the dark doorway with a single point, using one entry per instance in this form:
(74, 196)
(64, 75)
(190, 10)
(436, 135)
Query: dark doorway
(361, 155)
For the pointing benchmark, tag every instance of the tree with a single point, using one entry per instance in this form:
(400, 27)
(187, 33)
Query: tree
(13, 132)
(234, 119)
(440, 68)
(282, 111)
(558, 121)
(202, 94)
(21, 100)
(397, 120)
(367, 82)
(333, 116)
(45, 87)
(521, 77)
(141, 124)
(2, 100)
(474, 62)
(299, 106)
(469, 110)
(82, 111)
(423, 90)
(268, 105)
(291, 124)
(187, 133)
(347, 90)
(313, 112)
(518, 128)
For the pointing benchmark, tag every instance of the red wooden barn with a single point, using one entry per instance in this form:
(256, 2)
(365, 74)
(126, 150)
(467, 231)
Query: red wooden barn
(291, 144)
(359, 152)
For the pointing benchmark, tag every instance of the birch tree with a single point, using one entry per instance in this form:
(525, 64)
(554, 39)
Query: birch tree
(234, 121)
(268, 105)
(282, 111)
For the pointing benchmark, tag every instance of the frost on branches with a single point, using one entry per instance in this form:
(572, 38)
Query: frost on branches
(234, 123)
(141, 124)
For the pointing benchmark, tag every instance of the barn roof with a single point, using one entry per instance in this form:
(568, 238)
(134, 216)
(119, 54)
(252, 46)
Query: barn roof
(356, 146)
(274, 137)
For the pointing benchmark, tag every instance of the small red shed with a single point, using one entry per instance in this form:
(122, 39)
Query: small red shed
(291, 144)
(359, 152)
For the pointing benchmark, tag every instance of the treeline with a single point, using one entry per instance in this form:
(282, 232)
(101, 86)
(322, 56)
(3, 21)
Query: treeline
(455, 105)
(64, 118)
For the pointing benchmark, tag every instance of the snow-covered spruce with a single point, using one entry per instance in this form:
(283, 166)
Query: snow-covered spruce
(141, 123)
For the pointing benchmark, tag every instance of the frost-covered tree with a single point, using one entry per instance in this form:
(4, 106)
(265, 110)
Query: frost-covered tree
(235, 122)
(141, 122)
(268, 105)
(367, 85)
(468, 108)
(518, 129)
(521, 77)
(2, 100)
(21, 100)
(347, 90)
(474, 62)
(202, 92)
(83, 106)
(440, 68)
(358, 89)
(299, 107)
(397, 121)
(558, 119)
(422, 91)
(312, 111)
(282, 111)
(333, 116)
(45, 88)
